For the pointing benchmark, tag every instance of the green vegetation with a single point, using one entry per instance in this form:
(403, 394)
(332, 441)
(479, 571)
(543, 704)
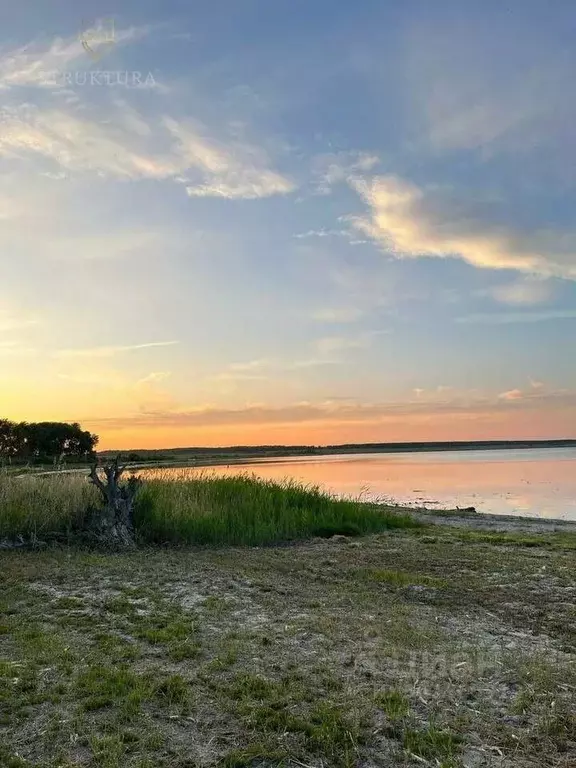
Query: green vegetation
(432, 744)
(401, 578)
(44, 442)
(414, 645)
(394, 704)
(245, 510)
(200, 510)
(319, 653)
(38, 506)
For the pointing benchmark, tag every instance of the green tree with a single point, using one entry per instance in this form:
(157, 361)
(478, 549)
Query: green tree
(46, 440)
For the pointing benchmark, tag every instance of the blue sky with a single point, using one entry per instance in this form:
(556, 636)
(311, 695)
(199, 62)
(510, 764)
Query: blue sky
(289, 222)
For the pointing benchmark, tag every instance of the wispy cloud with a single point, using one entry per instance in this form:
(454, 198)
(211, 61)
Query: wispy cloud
(269, 368)
(410, 222)
(333, 411)
(322, 233)
(332, 169)
(347, 234)
(131, 148)
(251, 365)
(33, 63)
(236, 171)
(155, 377)
(525, 291)
(536, 391)
(508, 96)
(512, 394)
(111, 351)
(330, 344)
(237, 376)
(501, 318)
(77, 143)
(337, 314)
(98, 379)
(443, 392)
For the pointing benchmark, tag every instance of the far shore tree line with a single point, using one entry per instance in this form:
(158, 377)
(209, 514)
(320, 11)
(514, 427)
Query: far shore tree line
(45, 442)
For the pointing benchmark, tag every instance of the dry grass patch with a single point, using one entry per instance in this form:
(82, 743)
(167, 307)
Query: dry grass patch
(288, 656)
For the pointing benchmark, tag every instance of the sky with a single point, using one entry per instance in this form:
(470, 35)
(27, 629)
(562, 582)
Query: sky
(289, 221)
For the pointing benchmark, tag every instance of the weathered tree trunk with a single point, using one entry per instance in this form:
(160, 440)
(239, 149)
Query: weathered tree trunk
(112, 525)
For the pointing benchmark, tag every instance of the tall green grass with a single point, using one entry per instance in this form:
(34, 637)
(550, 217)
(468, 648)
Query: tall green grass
(243, 509)
(40, 505)
(185, 508)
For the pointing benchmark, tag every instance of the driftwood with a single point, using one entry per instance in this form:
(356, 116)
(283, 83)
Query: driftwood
(112, 525)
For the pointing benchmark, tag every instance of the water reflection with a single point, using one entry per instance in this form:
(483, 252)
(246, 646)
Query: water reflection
(533, 482)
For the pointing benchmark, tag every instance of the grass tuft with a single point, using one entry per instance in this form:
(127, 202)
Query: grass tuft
(173, 690)
(432, 744)
(401, 578)
(394, 704)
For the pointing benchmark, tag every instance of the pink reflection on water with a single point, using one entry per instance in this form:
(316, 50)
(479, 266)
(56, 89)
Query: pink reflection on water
(533, 482)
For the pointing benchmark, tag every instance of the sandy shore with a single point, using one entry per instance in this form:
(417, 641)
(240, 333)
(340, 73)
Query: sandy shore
(501, 523)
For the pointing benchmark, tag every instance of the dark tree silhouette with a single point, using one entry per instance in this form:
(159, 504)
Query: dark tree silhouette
(45, 441)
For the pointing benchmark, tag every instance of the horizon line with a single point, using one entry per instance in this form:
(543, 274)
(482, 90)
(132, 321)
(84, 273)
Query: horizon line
(396, 444)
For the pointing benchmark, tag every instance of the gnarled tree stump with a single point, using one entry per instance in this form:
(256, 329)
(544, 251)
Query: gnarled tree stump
(112, 525)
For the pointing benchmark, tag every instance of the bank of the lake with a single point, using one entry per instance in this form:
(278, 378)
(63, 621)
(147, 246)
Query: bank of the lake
(197, 509)
(527, 482)
(524, 480)
(359, 635)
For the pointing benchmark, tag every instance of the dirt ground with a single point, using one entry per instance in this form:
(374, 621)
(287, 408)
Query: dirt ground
(483, 522)
(446, 646)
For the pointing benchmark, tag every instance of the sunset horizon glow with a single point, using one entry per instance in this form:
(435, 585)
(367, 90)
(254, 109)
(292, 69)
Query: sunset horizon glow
(289, 223)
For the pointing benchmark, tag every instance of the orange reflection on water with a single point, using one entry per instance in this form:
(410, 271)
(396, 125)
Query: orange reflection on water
(533, 482)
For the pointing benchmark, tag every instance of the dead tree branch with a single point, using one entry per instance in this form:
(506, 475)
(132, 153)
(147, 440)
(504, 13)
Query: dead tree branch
(113, 523)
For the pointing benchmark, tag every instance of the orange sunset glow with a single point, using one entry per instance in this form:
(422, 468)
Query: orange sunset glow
(275, 238)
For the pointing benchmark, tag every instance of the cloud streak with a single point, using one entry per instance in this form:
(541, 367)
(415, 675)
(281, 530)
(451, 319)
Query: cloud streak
(82, 130)
(411, 222)
(527, 291)
(332, 169)
(337, 412)
(338, 314)
(129, 147)
(330, 344)
(503, 318)
(232, 172)
(111, 351)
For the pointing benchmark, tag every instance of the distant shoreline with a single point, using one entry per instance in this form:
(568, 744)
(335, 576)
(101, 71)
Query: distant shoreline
(235, 454)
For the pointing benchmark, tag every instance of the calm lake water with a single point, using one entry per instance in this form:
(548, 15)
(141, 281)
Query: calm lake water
(534, 482)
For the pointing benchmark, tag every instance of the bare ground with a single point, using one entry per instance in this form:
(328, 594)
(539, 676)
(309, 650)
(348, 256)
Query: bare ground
(479, 521)
(442, 647)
